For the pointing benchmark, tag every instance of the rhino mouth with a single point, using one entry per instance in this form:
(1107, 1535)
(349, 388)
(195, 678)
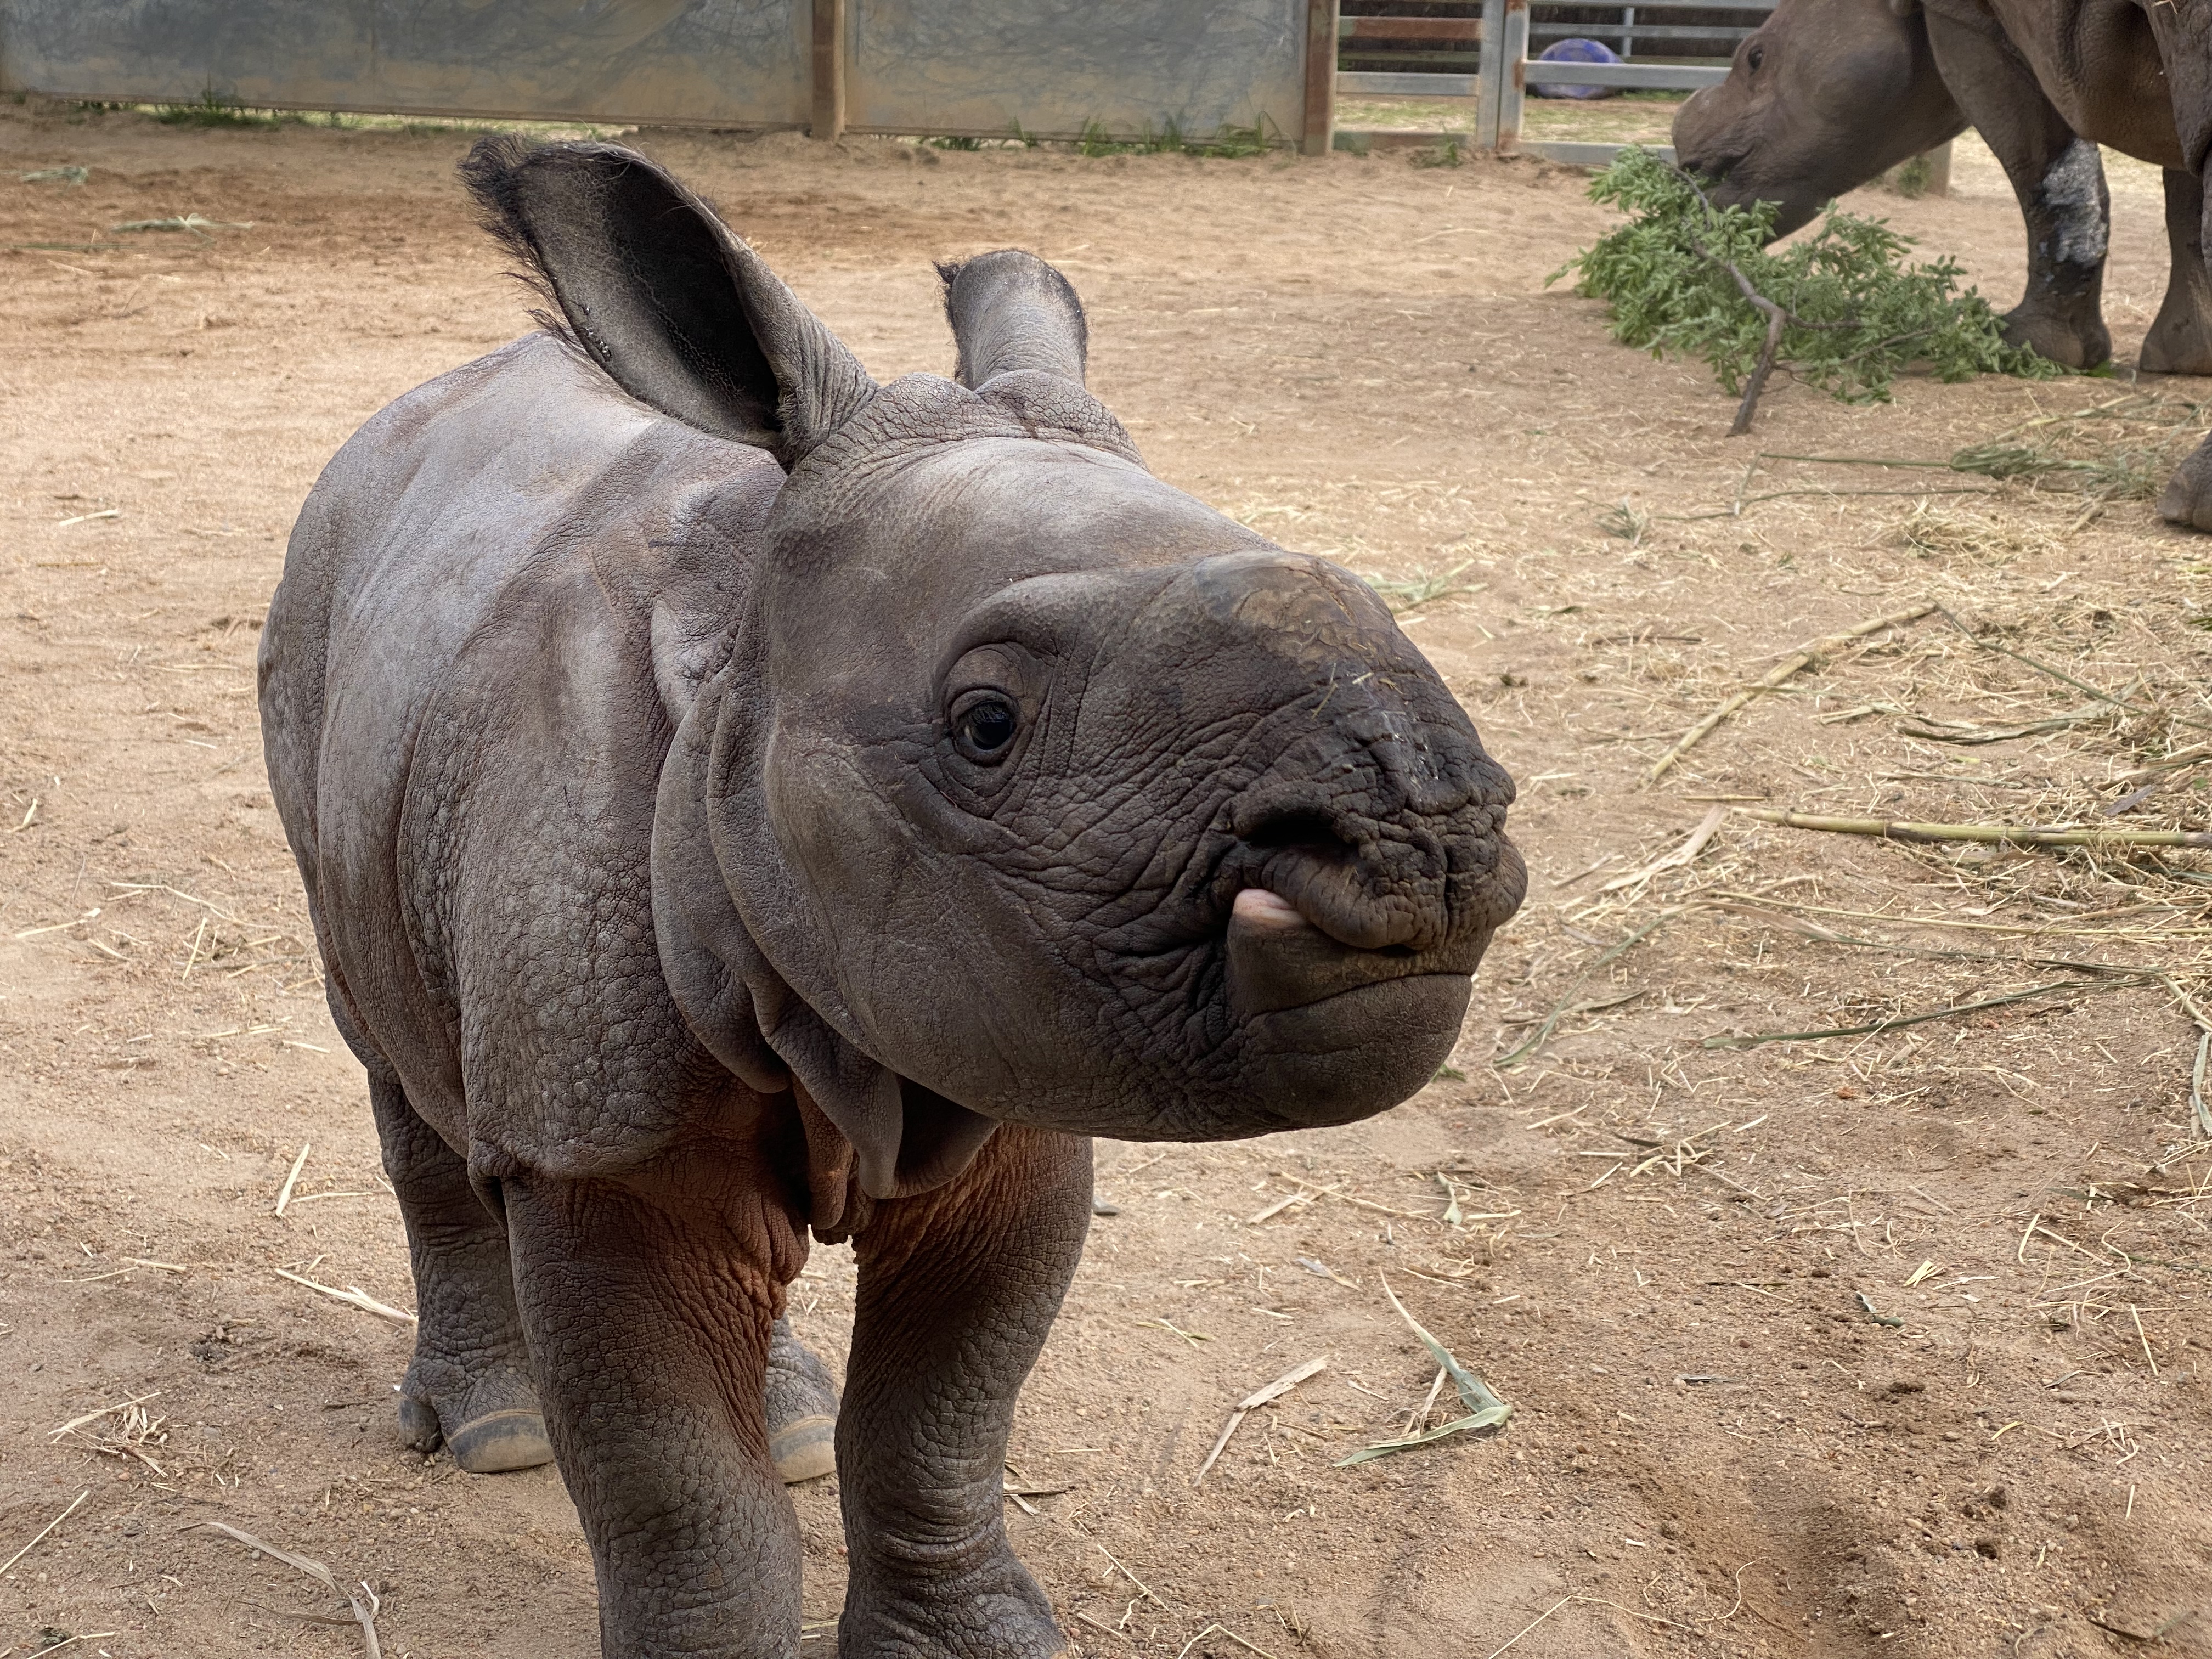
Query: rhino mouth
(1333, 1032)
(1279, 958)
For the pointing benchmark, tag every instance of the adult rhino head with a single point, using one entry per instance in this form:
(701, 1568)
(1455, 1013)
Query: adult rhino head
(1823, 96)
(1032, 789)
(1830, 93)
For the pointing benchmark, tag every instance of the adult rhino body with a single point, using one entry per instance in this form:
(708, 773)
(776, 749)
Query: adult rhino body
(1829, 93)
(736, 798)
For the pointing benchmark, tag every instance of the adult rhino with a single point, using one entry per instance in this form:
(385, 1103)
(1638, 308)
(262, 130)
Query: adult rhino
(1829, 93)
(737, 798)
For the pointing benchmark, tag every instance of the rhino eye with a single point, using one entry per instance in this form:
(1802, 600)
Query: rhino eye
(986, 728)
(1755, 58)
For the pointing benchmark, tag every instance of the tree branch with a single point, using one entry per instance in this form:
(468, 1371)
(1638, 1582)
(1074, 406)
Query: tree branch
(1777, 320)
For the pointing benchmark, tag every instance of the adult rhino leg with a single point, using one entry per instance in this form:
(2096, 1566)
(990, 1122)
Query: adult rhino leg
(649, 1305)
(2188, 497)
(958, 1288)
(2180, 341)
(2059, 180)
(469, 1386)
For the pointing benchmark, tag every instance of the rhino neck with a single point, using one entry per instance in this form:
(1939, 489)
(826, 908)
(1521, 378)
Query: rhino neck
(904, 1139)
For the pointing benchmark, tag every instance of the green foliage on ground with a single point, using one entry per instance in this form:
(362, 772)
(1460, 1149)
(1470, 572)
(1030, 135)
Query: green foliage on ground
(1227, 143)
(1858, 315)
(1911, 179)
(212, 109)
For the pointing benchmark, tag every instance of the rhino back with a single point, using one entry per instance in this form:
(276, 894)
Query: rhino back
(2116, 73)
(495, 604)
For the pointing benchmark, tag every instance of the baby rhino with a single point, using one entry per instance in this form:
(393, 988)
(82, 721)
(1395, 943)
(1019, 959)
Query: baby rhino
(738, 799)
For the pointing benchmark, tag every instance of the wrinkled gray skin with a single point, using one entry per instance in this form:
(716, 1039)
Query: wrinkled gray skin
(1829, 93)
(735, 796)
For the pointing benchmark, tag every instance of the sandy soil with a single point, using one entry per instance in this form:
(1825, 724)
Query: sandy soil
(1884, 1344)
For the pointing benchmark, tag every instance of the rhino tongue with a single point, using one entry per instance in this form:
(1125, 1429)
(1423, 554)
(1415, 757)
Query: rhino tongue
(1278, 959)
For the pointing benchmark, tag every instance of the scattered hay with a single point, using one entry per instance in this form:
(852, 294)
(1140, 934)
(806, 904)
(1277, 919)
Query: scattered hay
(1950, 532)
(1484, 1410)
(122, 1432)
(1252, 1402)
(2065, 741)
(185, 222)
(1424, 586)
(356, 1614)
(44, 1533)
(1624, 520)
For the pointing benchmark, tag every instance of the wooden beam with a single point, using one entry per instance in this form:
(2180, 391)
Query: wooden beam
(1318, 133)
(828, 106)
(1411, 29)
(1507, 55)
(1485, 78)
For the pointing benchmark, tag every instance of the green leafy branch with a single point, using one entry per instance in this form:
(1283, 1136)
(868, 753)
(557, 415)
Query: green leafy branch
(1840, 306)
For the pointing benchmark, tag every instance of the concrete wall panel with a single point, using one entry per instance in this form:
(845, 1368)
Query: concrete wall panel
(740, 63)
(981, 67)
(1054, 67)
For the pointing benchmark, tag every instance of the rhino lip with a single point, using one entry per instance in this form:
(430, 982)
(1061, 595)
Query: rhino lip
(1279, 959)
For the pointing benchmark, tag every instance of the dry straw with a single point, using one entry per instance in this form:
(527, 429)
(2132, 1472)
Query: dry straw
(364, 1616)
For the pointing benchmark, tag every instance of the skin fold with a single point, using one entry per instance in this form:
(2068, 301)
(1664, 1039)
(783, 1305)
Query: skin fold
(1830, 93)
(740, 802)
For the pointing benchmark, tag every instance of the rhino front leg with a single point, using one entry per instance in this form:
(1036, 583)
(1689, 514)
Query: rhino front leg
(958, 1288)
(649, 1306)
(2059, 180)
(469, 1386)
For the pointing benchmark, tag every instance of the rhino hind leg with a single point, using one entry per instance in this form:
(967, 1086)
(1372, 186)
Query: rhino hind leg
(2188, 497)
(802, 1408)
(469, 1386)
(2181, 340)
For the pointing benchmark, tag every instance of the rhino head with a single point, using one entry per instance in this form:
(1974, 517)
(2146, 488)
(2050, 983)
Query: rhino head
(1029, 788)
(1823, 96)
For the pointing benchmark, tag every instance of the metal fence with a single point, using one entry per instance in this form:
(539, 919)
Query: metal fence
(1482, 53)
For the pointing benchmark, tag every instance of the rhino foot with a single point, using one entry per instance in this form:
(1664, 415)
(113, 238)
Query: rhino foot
(2188, 498)
(802, 1409)
(976, 1615)
(2075, 343)
(2180, 343)
(495, 1424)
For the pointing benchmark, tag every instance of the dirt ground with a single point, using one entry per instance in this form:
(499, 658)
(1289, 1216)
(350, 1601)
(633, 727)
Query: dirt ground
(1887, 1343)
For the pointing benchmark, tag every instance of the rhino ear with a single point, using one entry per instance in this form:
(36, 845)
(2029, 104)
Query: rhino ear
(680, 313)
(1011, 311)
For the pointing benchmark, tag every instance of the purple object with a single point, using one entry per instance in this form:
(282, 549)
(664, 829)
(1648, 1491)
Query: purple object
(1575, 51)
